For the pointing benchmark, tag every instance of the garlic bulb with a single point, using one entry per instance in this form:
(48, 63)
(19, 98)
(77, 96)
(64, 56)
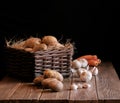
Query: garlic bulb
(80, 70)
(83, 62)
(94, 71)
(73, 86)
(76, 64)
(86, 76)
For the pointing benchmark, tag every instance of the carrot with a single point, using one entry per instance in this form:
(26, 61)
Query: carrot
(88, 57)
(94, 62)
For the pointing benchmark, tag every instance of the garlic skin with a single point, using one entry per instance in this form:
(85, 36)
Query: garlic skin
(85, 76)
(74, 72)
(80, 71)
(73, 86)
(88, 67)
(76, 64)
(94, 71)
(86, 85)
(83, 62)
(79, 86)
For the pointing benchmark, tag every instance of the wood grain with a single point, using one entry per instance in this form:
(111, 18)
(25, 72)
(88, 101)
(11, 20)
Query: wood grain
(108, 84)
(57, 97)
(27, 91)
(105, 88)
(84, 95)
(7, 87)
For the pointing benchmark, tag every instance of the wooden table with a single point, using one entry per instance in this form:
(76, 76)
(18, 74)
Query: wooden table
(105, 88)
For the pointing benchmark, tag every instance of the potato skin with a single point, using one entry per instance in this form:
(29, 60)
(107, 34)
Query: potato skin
(45, 83)
(30, 42)
(38, 80)
(48, 73)
(56, 86)
(49, 40)
(52, 83)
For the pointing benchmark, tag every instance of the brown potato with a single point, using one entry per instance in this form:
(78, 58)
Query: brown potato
(38, 47)
(38, 80)
(53, 83)
(47, 81)
(48, 73)
(49, 40)
(30, 42)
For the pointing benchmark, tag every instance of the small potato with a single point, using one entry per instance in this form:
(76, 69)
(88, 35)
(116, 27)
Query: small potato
(53, 83)
(59, 46)
(56, 85)
(48, 73)
(38, 47)
(28, 49)
(45, 83)
(38, 80)
(49, 40)
(30, 42)
(56, 46)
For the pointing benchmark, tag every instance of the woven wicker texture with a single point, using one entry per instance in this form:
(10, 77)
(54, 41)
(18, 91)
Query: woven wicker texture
(26, 66)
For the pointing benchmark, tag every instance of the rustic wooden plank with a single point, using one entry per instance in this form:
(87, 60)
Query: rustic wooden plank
(27, 92)
(108, 84)
(57, 97)
(7, 87)
(84, 95)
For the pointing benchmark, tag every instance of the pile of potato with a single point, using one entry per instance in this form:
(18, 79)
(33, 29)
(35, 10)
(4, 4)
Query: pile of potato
(34, 44)
(51, 79)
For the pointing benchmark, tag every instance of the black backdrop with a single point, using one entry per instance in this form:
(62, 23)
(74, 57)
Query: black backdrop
(92, 26)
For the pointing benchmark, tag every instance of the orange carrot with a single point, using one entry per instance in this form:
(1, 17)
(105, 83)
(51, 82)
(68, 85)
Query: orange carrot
(88, 57)
(94, 62)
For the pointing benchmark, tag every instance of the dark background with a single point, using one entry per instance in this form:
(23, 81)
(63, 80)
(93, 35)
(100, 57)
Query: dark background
(93, 26)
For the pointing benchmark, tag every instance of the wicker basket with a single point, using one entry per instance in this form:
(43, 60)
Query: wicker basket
(26, 66)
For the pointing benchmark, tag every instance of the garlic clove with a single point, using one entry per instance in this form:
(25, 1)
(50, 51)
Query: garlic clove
(76, 64)
(94, 71)
(88, 67)
(86, 85)
(73, 86)
(79, 86)
(74, 72)
(84, 62)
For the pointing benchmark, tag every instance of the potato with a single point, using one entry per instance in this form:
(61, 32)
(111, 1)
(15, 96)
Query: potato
(56, 85)
(47, 81)
(38, 47)
(53, 83)
(30, 42)
(48, 73)
(49, 40)
(38, 80)
(28, 49)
